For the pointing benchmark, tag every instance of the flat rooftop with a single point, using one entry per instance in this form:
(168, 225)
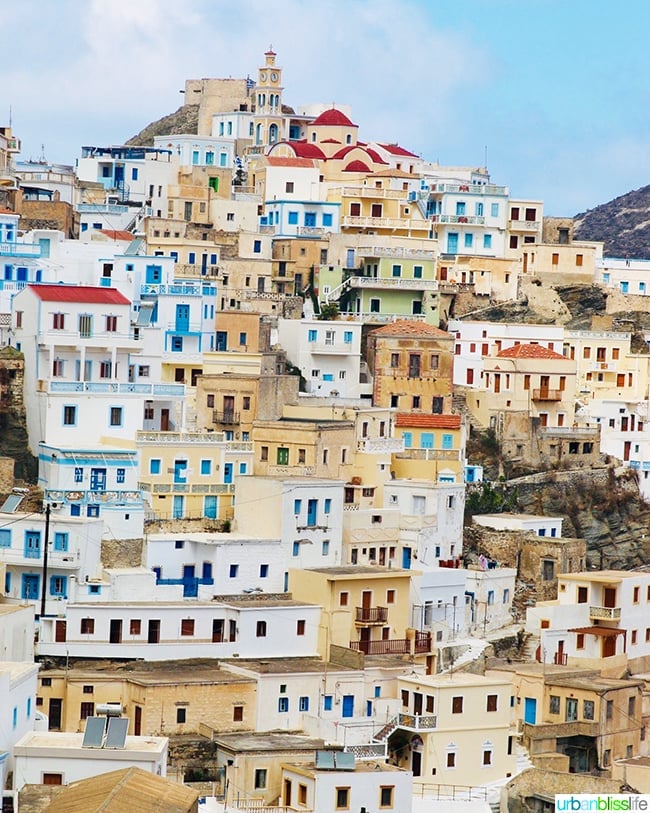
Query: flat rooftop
(360, 570)
(604, 576)
(451, 680)
(269, 741)
(190, 671)
(69, 743)
(272, 666)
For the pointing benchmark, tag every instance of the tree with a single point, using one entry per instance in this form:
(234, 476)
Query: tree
(329, 311)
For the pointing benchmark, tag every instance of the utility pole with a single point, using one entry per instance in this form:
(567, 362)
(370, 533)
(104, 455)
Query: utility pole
(46, 545)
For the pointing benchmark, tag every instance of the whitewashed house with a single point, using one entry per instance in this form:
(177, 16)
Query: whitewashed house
(18, 712)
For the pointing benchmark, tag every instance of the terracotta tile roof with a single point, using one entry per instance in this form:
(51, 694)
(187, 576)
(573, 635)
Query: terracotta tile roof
(410, 327)
(356, 166)
(7, 212)
(118, 234)
(333, 117)
(395, 149)
(289, 162)
(529, 351)
(79, 293)
(305, 150)
(428, 421)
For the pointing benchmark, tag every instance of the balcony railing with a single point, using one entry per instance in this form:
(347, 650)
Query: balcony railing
(523, 225)
(355, 221)
(229, 417)
(190, 270)
(417, 722)
(388, 445)
(547, 395)
(393, 283)
(371, 615)
(395, 646)
(474, 189)
(397, 252)
(472, 220)
(606, 613)
(430, 454)
(20, 250)
(369, 192)
(169, 390)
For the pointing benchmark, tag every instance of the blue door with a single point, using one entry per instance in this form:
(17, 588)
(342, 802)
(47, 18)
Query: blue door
(190, 582)
(210, 507)
(452, 243)
(31, 583)
(206, 572)
(368, 708)
(21, 274)
(349, 258)
(530, 710)
(227, 473)
(180, 471)
(182, 318)
(406, 558)
(179, 506)
(98, 479)
(32, 544)
(312, 510)
(310, 219)
(347, 709)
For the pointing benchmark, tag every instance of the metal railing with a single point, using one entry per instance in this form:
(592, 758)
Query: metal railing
(371, 615)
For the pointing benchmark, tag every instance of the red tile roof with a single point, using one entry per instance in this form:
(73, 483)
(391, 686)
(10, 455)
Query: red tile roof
(428, 421)
(118, 234)
(79, 293)
(305, 150)
(410, 327)
(356, 166)
(289, 162)
(330, 141)
(376, 157)
(529, 351)
(333, 117)
(395, 149)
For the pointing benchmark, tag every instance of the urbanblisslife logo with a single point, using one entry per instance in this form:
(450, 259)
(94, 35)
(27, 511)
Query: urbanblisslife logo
(602, 802)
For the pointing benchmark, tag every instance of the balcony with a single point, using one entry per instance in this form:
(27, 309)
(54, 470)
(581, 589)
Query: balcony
(369, 192)
(471, 220)
(374, 445)
(167, 390)
(430, 454)
(524, 225)
(228, 418)
(19, 250)
(417, 722)
(396, 252)
(371, 615)
(311, 231)
(546, 395)
(194, 271)
(113, 497)
(358, 222)
(394, 646)
(394, 283)
(99, 340)
(331, 348)
(605, 613)
(474, 189)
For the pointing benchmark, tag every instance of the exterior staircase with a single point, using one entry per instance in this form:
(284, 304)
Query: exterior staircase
(384, 733)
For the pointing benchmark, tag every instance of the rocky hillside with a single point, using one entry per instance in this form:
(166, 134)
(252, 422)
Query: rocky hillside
(623, 225)
(184, 120)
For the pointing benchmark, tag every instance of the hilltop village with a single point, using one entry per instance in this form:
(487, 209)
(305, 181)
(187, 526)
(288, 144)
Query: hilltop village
(323, 473)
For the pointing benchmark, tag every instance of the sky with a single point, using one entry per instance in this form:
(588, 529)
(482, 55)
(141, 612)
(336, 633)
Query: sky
(556, 91)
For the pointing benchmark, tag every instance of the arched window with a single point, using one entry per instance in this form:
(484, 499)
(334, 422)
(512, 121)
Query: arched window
(273, 133)
(258, 134)
(313, 136)
(348, 139)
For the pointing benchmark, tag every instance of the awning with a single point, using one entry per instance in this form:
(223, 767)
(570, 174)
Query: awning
(604, 632)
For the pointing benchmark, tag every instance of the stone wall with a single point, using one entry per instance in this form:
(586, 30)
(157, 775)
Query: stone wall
(6, 474)
(342, 656)
(545, 784)
(122, 553)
